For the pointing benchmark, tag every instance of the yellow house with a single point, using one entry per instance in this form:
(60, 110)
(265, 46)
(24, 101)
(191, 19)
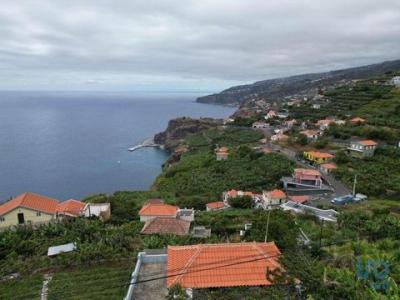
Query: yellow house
(28, 208)
(318, 157)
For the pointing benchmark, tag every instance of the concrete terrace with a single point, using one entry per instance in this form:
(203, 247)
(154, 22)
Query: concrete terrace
(155, 289)
(329, 215)
(145, 279)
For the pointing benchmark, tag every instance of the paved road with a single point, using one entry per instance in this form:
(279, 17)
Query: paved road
(339, 188)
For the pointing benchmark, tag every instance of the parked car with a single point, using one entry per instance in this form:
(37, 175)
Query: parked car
(360, 197)
(343, 200)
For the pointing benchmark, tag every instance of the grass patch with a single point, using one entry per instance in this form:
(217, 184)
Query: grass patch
(24, 288)
(91, 283)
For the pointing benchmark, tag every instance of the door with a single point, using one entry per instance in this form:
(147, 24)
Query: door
(21, 219)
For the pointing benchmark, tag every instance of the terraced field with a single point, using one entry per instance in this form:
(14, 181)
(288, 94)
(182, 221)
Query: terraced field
(107, 282)
(91, 283)
(27, 288)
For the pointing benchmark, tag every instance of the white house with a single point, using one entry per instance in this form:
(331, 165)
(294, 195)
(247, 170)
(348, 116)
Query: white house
(101, 210)
(282, 114)
(316, 106)
(279, 137)
(396, 81)
(260, 125)
(363, 148)
(311, 134)
(273, 198)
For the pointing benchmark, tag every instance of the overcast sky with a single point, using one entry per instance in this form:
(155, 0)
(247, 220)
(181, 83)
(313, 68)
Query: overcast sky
(187, 44)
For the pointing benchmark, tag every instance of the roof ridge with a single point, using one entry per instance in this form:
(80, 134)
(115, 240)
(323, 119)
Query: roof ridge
(148, 223)
(256, 246)
(189, 263)
(223, 244)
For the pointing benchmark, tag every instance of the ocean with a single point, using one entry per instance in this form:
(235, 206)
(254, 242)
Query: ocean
(74, 144)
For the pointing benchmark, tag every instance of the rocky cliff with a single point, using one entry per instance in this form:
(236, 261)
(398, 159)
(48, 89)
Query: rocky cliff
(275, 90)
(180, 128)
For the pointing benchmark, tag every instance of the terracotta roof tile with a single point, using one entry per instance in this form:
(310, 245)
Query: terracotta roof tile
(329, 166)
(215, 205)
(277, 194)
(232, 193)
(71, 207)
(31, 201)
(318, 154)
(166, 226)
(300, 198)
(221, 265)
(222, 150)
(307, 172)
(368, 143)
(158, 209)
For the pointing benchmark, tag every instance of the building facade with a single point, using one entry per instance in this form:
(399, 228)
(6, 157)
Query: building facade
(365, 148)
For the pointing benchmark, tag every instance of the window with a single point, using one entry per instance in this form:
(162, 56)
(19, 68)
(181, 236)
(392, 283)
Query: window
(2, 219)
(38, 214)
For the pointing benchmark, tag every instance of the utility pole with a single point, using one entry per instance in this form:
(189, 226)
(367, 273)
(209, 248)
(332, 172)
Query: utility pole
(266, 230)
(354, 185)
(320, 234)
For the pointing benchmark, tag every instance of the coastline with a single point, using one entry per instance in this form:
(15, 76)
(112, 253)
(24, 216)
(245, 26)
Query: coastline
(40, 154)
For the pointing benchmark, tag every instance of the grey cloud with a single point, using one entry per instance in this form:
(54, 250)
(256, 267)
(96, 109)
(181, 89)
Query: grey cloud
(199, 44)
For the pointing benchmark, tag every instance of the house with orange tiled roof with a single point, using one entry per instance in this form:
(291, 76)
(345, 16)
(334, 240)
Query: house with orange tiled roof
(222, 153)
(327, 167)
(218, 205)
(273, 198)
(307, 176)
(28, 208)
(33, 209)
(161, 218)
(71, 208)
(317, 156)
(301, 199)
(305, 182)
(151, 210)
(363, 148)
(222, 265)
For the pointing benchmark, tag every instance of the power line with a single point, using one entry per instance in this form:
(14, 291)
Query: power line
(178, 274)
(185, 272)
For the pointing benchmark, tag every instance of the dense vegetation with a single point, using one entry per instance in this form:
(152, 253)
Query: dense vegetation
(106, 282)
(24, 249)
(126, 204)
(28, 288)
(202, 174)
(345, 132)
(361, 98)
(228, 137)
(376, 176)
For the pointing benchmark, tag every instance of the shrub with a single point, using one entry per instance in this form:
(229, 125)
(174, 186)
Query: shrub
(241, 202)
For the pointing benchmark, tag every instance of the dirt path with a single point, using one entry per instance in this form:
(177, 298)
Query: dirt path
(45, 287)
